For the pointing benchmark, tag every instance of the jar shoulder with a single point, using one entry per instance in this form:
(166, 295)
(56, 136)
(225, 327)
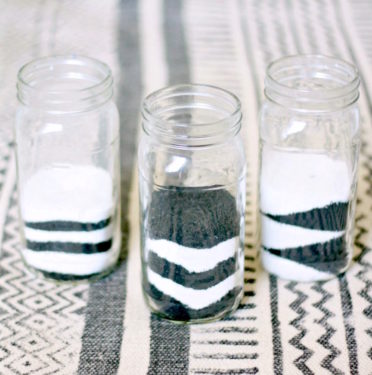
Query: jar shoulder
(27, 118)
(25, 111)
(218, 164)
(285, 127)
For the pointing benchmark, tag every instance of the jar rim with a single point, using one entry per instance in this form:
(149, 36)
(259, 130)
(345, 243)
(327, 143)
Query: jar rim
(186, 89)
(191, 115)
(93, 76)
(348, 87)
(66, 58)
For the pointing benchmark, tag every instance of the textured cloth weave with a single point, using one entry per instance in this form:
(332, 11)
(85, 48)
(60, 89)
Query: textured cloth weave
(105, 328)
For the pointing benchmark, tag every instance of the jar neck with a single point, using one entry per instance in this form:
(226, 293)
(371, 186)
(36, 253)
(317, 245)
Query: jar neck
(191, 115)
(312, 83)
(64, 84)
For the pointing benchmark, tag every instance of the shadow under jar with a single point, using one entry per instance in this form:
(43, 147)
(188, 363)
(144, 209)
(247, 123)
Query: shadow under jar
(192, 191)
(309, 133)
(67, 143)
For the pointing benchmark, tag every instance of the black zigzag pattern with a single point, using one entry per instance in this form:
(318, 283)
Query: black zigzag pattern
(297, 307)
(325, 339)
(364, 251)
(366, 294)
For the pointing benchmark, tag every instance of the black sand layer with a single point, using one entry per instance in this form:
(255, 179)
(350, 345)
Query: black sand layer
(196, 218)
(70, 247)
(330, 218)
(193, 217)
(195, 280)
(331, 256)
(67, 226)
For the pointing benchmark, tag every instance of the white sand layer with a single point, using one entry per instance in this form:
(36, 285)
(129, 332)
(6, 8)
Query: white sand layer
(193, 298)
(194, 260)
(78, 193)
(287, 269)
(276, 235)
(81, 194)
(71, 264)
(296, 182)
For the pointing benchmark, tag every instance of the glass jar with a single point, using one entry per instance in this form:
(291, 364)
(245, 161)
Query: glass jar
(192, 190)
(309, 144)
(67, 145)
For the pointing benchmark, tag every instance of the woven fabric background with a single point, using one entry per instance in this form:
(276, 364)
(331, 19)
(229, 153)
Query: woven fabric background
(105, 328)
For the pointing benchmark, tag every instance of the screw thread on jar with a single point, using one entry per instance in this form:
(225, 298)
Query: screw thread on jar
(65, 84)
(312, 82)
(192, 115)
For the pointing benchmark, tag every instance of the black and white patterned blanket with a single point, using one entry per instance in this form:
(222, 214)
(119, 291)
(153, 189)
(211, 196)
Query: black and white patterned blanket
(281, 327)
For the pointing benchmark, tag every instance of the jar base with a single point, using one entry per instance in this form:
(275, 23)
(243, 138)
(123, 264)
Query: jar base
(60, 278)
(222, 314)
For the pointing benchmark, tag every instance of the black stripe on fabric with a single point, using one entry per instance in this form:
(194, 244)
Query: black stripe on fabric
(195, 280)
(331, 218)
(275, 323)
(67, 226)
(170, 344)
(104, 316)
(235, 318)
(175, 43)
(347, 313)
(331, 256)
(246, 330)
(176, 310)
(70, 247)
(249, 293)
(247, 306)
(249, 269)
(169, 347)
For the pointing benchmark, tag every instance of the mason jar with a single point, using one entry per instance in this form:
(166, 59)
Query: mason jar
(192, 192)
(67, 147)
(309, 135)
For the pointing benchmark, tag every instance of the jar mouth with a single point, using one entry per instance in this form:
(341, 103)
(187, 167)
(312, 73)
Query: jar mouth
(312, 79)
(192, 114)
(73, 82)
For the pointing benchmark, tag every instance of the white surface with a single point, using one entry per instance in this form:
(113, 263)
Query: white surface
(281, 236)
(195, 299)
(296, 182)
(76, 193)
(287, 269)
(194, 260)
